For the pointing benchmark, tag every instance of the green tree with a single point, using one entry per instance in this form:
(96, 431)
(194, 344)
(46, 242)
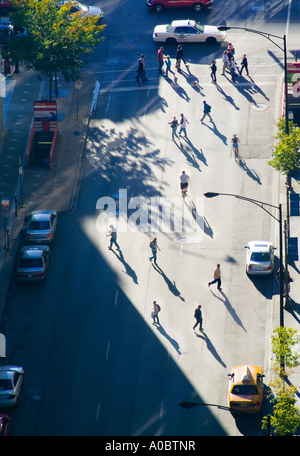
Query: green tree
(285, 419)
(287, 151)
(56, 41)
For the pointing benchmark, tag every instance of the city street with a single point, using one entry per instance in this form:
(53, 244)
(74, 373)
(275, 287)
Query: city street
(94, 363)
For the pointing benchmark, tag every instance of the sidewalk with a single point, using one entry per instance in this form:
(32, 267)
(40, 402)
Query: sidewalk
(40, 188)
(292, 315)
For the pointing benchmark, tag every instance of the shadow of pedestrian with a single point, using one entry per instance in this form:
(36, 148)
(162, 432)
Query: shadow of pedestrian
(173, 342)
(223, 138)
(178, 89)
(171, 285)
(227, 97)
(197, 152)
(191, 160)
(229, 307)
(211, 347)
(250, 172)
(128, 269)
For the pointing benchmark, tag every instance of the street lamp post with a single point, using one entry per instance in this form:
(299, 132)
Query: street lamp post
(269, 36)
(263, 205)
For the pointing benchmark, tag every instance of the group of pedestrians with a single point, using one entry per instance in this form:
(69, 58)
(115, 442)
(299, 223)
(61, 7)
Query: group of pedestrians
(181, 124)
(154, 247)
(197, 312)
(229, 63)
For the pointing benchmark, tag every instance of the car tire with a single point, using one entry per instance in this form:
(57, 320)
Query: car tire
(171, 41)
(158, 8)
(211, 40)
(198, 7)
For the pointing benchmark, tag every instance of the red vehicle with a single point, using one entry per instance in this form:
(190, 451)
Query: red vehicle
(5, 6)
(159, 5)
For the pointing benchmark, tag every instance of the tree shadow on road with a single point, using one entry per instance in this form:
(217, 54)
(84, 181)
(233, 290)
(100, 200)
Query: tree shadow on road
(171, 285)
(211, 347)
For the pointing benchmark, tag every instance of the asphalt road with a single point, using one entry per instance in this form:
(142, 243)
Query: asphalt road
(94, 363)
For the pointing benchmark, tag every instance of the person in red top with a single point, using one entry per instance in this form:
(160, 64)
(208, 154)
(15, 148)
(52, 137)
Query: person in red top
(160, 58)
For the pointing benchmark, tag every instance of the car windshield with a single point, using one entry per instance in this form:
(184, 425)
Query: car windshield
(199, 27)
(244, 390)
(31, 263)
(82, 7)
(43, 225)
(260, 256)
(5, 384)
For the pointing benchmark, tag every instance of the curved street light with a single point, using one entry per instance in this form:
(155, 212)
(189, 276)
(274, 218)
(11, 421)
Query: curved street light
(264, 206)
(269, 37)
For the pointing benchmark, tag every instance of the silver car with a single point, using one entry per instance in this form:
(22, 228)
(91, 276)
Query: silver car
(11, 379)
(260, 258)
(33, 263)
(41, 227)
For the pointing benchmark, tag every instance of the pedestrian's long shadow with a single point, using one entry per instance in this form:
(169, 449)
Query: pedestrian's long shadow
(192, 80)
(178, 89)
(250, 172)
(211, 347)
(195, 152)
(229, 307)
(199, 219)
(227, 97)
(128, 269)
(171, 285)
(169, 338)
(216, 132)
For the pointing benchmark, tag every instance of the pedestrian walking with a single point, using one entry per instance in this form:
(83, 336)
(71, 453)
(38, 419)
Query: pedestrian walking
(182, 123)
(235, 144)
(225, 61)
(213, 71)
(155, 312)
(154, 247)
(206, 111)
(198, 316)
(174, 125)
(217, 277)
(244, 64)
(179, 57)
(184, 182)
(160, 58)
(233, 70)
(230, 51)
(113, 237)
(143, 59)
(168, 66)
(140, 73)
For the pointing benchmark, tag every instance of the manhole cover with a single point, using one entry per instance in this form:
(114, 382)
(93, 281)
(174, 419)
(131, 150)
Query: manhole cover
(259, 107)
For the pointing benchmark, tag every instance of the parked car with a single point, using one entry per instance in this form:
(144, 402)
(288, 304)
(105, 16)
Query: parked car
(4, 425)
(260, 258)
(245, 389)
(34, 262)
(41, 227)
(11, 379)
(159, 5)
(187, 31)
(84, 10)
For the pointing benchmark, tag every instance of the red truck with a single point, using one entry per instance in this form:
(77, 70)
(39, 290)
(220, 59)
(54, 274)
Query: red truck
(159, 5)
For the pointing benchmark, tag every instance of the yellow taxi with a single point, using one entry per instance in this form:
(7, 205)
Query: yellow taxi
(245, 390)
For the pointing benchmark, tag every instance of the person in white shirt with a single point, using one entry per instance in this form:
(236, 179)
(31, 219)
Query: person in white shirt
(184, 181)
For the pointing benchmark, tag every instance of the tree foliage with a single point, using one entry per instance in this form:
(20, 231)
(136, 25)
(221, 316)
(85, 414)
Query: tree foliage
(56, 40)
(285, 419)
(287, 151)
